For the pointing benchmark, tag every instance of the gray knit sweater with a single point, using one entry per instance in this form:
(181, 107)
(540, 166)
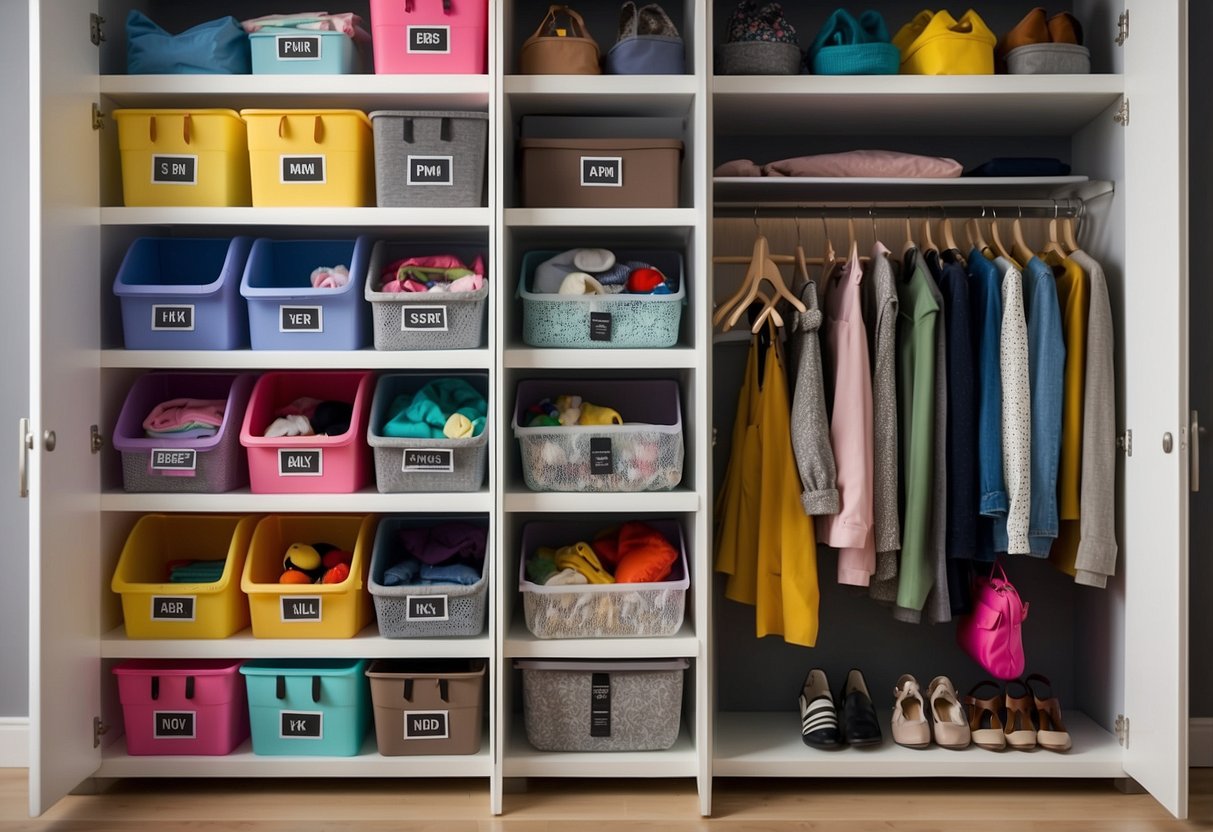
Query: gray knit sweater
(810, 427)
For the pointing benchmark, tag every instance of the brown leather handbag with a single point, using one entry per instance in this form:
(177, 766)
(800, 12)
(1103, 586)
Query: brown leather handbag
(560, 50)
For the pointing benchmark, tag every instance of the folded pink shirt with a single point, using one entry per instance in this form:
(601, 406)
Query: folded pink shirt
(177, 412)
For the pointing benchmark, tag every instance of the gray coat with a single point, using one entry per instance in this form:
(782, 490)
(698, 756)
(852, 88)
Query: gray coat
(810, 427)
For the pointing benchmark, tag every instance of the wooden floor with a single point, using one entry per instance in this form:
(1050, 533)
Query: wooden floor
(635, 806)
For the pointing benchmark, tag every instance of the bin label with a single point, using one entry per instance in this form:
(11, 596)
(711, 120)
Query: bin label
(301, 608)
(301, 319)
(302, 462)
(426, 608)
(432, 40)
(174, 459)
(427, 725)
(602, 171)
(174, 725)
(173, 607)
(296, 48)
(300, 725)
(174, 170)
(172, 318)
(600, 705)
(432, 461)
(297, 169)
(602, 459)
(423, 319)
(600, 326)
(430, 170)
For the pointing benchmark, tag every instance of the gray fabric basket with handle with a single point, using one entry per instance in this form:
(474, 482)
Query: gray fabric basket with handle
(430, 159)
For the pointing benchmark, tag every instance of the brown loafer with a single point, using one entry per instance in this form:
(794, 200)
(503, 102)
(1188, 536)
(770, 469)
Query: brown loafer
(1065, 28)
(1034, 28)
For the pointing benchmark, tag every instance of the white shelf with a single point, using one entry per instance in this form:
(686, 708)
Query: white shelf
(769, 745)
(747, 190)
(324, 217)
(522, 760)
(532, 358)
(366, 645)
(241, 501)
(679, 500)
(634, 95)
(602, 217)
(989, 105)
(520, 644)
(366, 359)
(242, 762)
(365, 92)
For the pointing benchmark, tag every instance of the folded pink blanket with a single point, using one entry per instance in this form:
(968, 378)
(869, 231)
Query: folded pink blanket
(177, 412)
(874, 164)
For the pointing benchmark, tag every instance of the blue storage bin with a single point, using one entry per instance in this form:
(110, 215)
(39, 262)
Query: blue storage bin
(286, 313)
(183, 294)
(286, 51)
(308, 707)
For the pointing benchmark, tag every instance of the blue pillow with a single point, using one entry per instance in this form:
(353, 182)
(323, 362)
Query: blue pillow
(218, 47)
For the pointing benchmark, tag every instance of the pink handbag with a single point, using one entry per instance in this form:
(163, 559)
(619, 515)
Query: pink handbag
(993, 633)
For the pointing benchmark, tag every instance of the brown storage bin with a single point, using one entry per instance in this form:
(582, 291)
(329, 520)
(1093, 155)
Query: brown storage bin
(427, 707)
(579, 173)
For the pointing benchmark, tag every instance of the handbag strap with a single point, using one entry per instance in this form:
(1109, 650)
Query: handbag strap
(576, 23)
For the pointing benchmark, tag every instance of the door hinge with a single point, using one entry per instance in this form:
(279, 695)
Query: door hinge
(95, 440)
(1122, 115)
(99, 730)
(95, 33)
(98, 116)
(1125, 442)
(1122, 28)
(1122, 730)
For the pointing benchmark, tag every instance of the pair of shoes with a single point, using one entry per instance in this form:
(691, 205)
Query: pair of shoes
(1037, 27)
(1030, 720)
(826, 722)
(911, 725)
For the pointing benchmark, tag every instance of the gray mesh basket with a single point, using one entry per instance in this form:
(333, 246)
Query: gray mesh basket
(603, 705)
(430, 159)
(463, 606)
(644, 454)
(459, 324)
(408, 465)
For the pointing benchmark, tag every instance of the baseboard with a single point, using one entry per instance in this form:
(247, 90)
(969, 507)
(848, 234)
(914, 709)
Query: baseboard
(1200, 742)
(14, 741)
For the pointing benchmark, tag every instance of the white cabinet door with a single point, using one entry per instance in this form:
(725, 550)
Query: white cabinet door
(65, 577)
(1155, 545)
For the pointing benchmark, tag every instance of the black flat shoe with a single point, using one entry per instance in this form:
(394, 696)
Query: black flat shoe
(818, 713)
(860, 726)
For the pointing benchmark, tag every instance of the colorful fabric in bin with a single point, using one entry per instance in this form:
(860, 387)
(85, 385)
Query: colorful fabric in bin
(446, 408)
(448, 553)
(347, 23)
(580, 271)
(185, 419)
(196, 571)
(849, 46)
(433, 273)
(632, 553)
(568, 411)
(762, 22)
(306, 416)
(217, 47)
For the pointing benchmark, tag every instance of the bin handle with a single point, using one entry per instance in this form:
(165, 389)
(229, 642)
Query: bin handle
(280, 690)
(408, 690)
(446, 6)
(282, 127)
(318, 131)
(444, 690)
(186, 128)
(315, 688)
(407, 133)
(151, 129)
(189, 687)
(155, 688)
(444, 129)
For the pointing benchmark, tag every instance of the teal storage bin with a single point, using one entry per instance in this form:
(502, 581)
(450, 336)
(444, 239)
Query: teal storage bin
(308, 708)
(280, 51)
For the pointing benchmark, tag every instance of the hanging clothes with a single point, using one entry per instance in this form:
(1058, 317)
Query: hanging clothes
(1094, 558)
(1011, 532)
(880, 318)
(1072, 296)
(985, 302)
(850, 383)
(810, 425)
(737, 503)
(1046, 377)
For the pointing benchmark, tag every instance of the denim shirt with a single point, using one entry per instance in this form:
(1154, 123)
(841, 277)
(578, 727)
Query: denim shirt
(1046, 377)
(985, 304)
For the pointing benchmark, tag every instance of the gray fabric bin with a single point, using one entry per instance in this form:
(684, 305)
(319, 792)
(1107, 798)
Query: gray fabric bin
(463, 313)
(757, 58)
(602, 705)
(1049, 59)
(430, 159)
(469, 458)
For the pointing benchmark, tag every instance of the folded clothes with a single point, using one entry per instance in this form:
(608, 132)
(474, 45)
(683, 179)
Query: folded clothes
(433, 273)
(445, 542)
(330, 277)
(889, 164)
(185, 414)
(191, 431)
(294, 425)
(302, 406)
(550, 274)
(451, 573)
(196, 571)
(567, 411)
(1021, 166)
(402, 574)
(348, 23)
(632, 553)
(426, 413)
(566, 577)
(332, 418)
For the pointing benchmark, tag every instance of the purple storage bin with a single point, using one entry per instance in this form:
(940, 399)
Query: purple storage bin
(643, 454)
(196, 466)
(183, 294)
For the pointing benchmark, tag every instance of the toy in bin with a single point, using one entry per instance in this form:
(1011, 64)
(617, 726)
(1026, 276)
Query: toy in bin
(315, 563)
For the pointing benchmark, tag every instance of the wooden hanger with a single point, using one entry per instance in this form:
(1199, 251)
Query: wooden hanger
(945, 231)
(1018, 246)
(973, 231)
(827, 256)
(928, 242)
(1053, 244)
(768, 311)
(761, 268)
(1068, 237)
(996, 239)
(909, 244)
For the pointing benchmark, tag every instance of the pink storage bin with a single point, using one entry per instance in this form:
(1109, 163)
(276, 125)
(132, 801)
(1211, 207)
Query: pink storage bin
(196, 707)
(430, 36)
(308, 464)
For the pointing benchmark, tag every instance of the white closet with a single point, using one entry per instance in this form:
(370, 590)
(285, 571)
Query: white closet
(1125, 648)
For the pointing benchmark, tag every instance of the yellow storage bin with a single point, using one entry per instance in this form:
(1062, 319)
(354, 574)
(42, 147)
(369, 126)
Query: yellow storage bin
(311, 158)
(183, 157)
(935, 43)
(153, 607)
(308, 610)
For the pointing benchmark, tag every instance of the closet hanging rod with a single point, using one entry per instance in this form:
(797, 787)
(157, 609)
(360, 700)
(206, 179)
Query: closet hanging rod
(1005, 209)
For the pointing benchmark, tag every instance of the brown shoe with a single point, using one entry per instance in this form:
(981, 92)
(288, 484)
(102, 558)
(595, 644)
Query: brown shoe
(1019, 728)
(1065, 28)
(1034, 28)
(984, 724)
(1052, 734)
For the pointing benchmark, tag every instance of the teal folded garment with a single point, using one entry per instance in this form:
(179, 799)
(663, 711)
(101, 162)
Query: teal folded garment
(424, 414)
(198, 572)
(846, 46)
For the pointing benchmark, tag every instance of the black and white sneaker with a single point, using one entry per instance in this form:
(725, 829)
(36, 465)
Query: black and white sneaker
(818, 713)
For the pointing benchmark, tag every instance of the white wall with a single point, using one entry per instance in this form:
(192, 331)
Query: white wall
(14, 365)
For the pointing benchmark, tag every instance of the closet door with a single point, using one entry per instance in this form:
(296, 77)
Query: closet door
(65, 574)
(1154, 553)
